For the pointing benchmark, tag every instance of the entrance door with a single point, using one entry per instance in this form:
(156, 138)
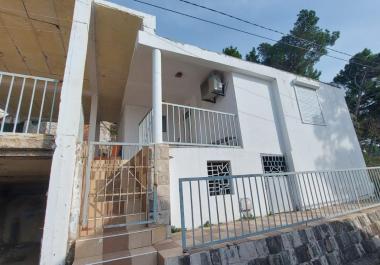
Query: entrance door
(277, 189)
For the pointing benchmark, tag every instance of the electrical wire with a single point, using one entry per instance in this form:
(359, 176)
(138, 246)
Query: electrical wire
(267, 28)
(247, 32)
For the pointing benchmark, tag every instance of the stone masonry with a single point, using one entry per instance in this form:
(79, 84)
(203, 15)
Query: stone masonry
(355, 240)
(162, 182)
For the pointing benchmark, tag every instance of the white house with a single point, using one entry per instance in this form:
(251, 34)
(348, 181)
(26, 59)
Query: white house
(215, 115)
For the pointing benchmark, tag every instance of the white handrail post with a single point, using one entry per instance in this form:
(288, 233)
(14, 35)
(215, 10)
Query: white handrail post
(157, 96)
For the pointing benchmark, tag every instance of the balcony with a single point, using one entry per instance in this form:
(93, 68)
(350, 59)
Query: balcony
(28, 104)
(186, 125)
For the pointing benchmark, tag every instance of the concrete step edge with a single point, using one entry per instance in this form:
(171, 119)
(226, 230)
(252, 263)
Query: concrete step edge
(97, 237)
(116, 256)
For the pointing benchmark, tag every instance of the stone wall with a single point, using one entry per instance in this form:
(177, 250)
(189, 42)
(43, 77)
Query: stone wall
(162, 182)
(354, 240)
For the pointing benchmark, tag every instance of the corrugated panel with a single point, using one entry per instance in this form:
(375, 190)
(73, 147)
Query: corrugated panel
(309, 107)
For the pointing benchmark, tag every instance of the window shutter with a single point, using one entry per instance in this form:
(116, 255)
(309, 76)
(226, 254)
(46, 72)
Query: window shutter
(309, 107)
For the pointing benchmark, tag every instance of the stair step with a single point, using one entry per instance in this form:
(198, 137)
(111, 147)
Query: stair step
(139, 256)
(117, 240)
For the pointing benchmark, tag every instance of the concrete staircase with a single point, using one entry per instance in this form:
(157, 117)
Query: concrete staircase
(115, 232)
(132, 247)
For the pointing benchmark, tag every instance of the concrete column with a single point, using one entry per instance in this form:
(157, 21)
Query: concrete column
(162, 183)
(68, 151)
(157, 96)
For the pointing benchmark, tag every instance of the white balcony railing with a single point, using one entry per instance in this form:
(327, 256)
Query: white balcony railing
(184, 125)
(28, 104)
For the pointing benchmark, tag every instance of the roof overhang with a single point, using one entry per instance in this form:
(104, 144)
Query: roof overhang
(219, 60)
(35, 37)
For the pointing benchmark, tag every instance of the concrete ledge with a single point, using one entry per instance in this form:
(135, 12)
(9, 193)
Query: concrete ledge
(26, 145)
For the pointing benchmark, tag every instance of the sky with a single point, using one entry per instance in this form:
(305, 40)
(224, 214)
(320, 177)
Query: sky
(357, 21)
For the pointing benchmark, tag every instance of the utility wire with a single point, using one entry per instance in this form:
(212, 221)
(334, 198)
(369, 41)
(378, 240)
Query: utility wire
(265, 27)
(245, 32)
(258, 25)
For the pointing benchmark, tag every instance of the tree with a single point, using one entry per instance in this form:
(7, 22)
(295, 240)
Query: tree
(286, 55)
(361, 79)
(232, 51)
(252, 56)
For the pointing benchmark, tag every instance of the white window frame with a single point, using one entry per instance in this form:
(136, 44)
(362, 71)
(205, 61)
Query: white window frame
(303, 119)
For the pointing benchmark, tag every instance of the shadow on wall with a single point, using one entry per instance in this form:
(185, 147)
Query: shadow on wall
(21, 221)
(339, 143)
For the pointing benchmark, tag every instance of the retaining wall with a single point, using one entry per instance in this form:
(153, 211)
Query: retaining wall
(352, 240)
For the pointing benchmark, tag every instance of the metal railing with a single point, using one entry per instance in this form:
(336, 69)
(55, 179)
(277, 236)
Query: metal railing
(225, 208)
(185, 125)
(146, 129)
(118, 186)
(28, 103)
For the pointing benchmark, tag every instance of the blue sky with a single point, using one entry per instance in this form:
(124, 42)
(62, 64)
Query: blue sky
(358, 22)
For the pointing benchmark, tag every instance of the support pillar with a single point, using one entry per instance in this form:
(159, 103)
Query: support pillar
(67, 153)
(162, 184)
(157, 96)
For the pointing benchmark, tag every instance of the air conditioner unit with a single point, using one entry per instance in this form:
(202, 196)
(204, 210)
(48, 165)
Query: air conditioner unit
(212, 87)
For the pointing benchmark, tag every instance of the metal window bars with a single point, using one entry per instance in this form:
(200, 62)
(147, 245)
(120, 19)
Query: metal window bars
(185, 125)
(28, 103)
(265, 202)
(118, 187)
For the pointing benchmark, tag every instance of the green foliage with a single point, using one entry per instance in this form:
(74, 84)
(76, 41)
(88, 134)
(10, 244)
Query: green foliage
(306, 34)
(175, 229)
(287, 55)
(207, 224)
(362, 84)
(252, 56)
(232, 51)
(372, 160)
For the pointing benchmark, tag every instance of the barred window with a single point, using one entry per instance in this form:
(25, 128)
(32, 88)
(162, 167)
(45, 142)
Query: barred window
(273, 163)
(219, 186)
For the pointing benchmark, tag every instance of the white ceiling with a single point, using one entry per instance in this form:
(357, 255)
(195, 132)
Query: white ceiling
(175, 90)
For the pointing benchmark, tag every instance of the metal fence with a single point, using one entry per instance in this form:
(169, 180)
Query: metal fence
(28, 103)
(118, 186)
(225, 208)
(185, 125)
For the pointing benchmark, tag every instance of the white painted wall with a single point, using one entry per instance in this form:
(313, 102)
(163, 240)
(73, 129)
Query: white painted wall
(263, 129)
(313, 147)
(128, 127)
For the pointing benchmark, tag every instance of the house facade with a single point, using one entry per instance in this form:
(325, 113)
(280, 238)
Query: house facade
(180, 111)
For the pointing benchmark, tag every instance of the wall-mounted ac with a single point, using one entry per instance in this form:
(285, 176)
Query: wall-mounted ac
(212, 87)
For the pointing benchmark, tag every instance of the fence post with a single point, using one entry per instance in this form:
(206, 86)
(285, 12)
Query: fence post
(183, 229)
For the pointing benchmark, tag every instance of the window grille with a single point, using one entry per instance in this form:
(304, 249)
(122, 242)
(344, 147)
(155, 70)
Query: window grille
(273, 163)
(219, 186)
(308, 105)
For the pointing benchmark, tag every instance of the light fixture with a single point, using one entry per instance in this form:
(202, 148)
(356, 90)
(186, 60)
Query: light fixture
(178, 75)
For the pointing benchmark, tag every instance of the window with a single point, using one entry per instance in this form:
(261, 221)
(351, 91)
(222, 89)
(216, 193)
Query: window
(219, 186)
(308, 105)
(273, 163)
